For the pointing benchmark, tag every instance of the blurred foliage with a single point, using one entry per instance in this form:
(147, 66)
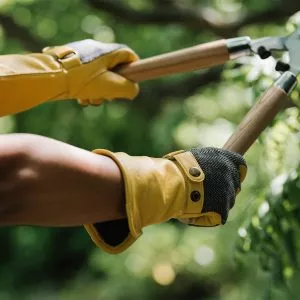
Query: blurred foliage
(273, 228)
(170, 261)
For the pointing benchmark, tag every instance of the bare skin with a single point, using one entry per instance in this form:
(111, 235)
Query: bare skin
(49, 183)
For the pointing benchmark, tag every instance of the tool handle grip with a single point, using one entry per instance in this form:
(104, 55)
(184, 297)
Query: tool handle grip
(257, 119)
(189, 59)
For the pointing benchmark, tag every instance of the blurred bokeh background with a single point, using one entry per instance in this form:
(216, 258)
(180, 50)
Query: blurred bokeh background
(255, 256)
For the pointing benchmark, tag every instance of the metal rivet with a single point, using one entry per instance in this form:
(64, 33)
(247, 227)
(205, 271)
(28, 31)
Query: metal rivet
(195, 171)
(195, 196)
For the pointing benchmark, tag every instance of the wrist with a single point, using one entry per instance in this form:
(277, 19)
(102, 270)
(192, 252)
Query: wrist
(68, 60)
(164, 188)
(145, 183)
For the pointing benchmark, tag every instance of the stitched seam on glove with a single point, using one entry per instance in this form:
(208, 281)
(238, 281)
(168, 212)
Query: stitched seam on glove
(185, 161)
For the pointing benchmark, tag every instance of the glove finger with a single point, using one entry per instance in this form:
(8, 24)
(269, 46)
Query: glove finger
(116, 86)
(240, 165)
(97, 102)
(209, 219)
(239, 172)
(235, 157)
(83, 102)
(93, 102)
(243, 172)
(122, 56)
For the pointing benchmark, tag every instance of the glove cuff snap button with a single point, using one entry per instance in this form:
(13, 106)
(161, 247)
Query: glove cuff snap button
(195, 171)
(195, 196)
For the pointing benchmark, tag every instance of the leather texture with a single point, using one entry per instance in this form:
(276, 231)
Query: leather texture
(158, 189)
(59, 73)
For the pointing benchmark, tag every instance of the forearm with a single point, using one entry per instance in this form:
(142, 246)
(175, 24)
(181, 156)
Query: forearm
(49, 183)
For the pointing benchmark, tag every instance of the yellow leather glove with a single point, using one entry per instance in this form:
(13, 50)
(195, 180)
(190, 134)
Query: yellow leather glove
(197, 187)
(80, 70)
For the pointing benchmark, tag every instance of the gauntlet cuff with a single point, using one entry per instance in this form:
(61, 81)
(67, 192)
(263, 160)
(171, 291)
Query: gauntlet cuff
(28, 80)
(156, 190)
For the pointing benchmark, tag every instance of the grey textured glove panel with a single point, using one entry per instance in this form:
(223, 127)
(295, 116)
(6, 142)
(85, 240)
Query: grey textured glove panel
(222, 178)
(88, 50)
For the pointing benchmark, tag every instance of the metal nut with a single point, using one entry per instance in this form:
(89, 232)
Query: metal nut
(194, 171)
(195, 196)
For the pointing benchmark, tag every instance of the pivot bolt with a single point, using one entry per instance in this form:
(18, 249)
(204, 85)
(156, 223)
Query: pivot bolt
(263, 52)
(281, 66)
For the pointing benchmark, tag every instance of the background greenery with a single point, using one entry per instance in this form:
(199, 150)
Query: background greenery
(255, 256)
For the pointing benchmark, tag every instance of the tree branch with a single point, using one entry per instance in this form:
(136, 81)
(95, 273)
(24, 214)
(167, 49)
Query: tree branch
(22, 34)
(276, 14)
(191, 18)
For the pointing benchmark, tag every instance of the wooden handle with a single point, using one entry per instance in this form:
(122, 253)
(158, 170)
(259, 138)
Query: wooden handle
(257, 119)
(190, 59)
